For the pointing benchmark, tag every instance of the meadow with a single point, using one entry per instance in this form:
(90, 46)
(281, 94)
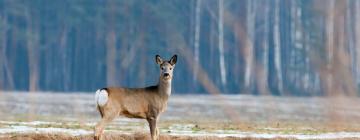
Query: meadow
(72, 116)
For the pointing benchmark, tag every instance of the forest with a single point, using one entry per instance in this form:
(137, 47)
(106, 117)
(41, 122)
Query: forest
(272, 47)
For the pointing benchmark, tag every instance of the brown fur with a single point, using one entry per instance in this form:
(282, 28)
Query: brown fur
(136, 103)
(144, 103)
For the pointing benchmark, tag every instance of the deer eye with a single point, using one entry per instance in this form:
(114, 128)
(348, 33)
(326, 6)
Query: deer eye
(162, 68)
(170, 68)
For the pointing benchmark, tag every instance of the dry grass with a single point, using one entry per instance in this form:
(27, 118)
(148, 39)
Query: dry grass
(135, 136)
(186, 115)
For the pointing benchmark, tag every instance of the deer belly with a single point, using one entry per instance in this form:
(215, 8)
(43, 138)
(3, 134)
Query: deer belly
(128, 114)
(134, 111)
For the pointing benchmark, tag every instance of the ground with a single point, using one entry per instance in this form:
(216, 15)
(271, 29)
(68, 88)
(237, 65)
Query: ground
(72, 116)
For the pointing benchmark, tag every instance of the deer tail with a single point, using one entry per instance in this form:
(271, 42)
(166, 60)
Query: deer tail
(101, 98)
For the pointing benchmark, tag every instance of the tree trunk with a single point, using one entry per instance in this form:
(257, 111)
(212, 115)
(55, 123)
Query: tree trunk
(277, 47)
(350, 37)
(111, 47)
(350, 42)
(294, 75)
(357, 40)
(3, 27)
(329, 45)
(221, 43)
(263, 78)
(32, 35)
(249, 43)
(63, 48)
(111, 58)
(197, 36)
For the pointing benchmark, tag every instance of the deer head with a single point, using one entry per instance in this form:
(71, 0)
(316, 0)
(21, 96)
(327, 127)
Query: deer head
(166, 67)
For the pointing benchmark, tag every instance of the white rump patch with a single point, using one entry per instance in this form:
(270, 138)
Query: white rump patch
(101, 97)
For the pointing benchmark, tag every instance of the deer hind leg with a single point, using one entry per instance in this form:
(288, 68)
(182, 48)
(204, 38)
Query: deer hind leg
(99, 128)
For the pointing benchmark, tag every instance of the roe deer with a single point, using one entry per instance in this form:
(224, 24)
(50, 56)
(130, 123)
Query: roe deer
(144, 103)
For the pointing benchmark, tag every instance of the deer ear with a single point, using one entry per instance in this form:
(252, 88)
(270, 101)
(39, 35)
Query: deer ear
(158, 59)
(173, 60)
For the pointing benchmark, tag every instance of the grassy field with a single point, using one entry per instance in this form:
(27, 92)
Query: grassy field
(73, 116)
(135, 136)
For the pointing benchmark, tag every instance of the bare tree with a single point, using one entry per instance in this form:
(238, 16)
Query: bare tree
(350, 37)
(4, 66)
(350, 41)
(294, 75)
(277, 46)
(32, 35)
(111, 47)
(63, 45)
(330, 43)
(357, 39)
(3, 27)
(263, 68)
(221, 42)
(250, 17)
(197, 35)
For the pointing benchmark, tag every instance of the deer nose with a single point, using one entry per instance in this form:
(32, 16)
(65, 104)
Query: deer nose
(166, 74)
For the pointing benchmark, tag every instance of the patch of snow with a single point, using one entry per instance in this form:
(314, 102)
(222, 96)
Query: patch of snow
(28, 129)
(28, 123)
(337, 135)
(182, 126)
(176, 130)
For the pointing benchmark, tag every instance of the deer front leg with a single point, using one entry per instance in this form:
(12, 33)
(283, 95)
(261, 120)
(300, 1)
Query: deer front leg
(157, 132)
(153, 129)
(157, 129)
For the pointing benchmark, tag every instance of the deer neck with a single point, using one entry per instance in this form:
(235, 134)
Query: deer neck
(165, 87)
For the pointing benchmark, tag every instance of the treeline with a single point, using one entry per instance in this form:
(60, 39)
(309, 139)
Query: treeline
(230, 46)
